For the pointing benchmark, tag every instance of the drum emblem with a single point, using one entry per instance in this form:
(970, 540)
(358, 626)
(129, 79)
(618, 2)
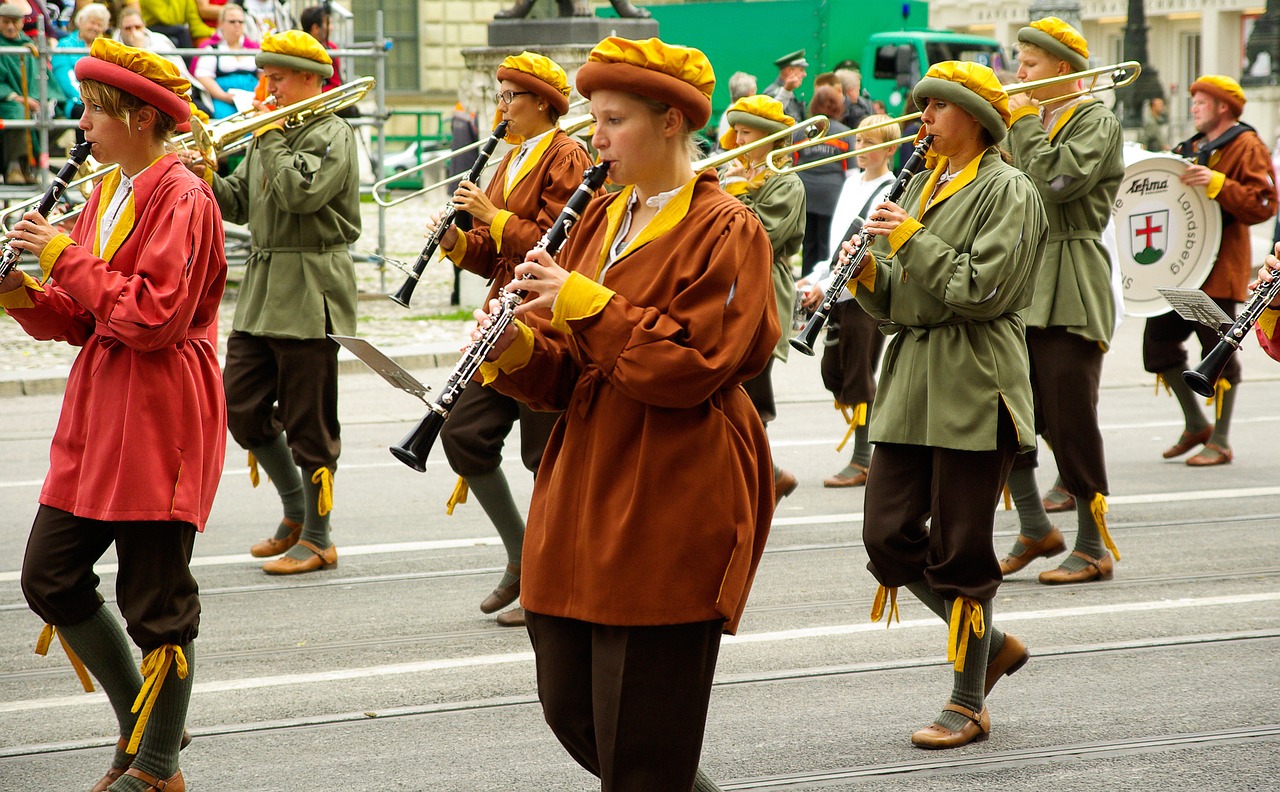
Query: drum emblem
(1149, 236)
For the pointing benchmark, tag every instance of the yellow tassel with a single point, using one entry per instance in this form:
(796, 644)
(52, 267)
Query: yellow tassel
(155, 668)
(324, 503)
(1161, 381)
(1220, 389)
(459, 495)
(1098, 508)
(254, 478)
(42, 649)
(966, 617)
(1008, 499)
(877, 605)
(854, 416)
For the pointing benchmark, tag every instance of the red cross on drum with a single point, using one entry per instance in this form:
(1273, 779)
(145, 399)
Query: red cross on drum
(1162, 232)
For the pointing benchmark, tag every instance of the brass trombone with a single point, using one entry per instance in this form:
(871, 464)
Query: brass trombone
(816, 127)
(569, 124)
(1121, 74)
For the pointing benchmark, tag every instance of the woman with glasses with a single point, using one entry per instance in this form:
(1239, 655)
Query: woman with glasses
(532, 184)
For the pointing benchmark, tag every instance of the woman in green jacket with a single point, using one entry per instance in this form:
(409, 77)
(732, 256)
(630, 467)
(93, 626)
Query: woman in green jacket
(954, 262)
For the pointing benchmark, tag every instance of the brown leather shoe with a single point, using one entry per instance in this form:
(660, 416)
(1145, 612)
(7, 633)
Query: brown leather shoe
(503, 596)
(1050, 544)
(319, 559)
(1211, 454)
(1064, 502)
(272, 546)
(1188, 441)
(854, 475)
(511, 618)
(115, 772)
(1095, 569)
(784, 483)
(1012, 656)
(935, 737)
(173, 783)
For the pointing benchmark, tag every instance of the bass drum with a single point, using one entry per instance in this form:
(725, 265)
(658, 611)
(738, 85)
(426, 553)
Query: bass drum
(1166, 233)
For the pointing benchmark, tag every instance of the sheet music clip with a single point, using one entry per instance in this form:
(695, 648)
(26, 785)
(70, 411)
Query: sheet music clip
(1196, 306)
(384, 366)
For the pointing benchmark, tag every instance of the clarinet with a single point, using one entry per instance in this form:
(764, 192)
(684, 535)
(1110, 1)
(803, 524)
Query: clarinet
(841, 275)
(451, 214)
(79, 153)
(1202, 378)
(415, 446)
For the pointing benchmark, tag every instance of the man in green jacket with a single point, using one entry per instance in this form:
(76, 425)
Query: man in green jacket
(17, 77)
(1071, 151)
(298, 189)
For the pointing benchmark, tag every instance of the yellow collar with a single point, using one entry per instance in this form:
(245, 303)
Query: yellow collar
(1066, 115)
(952, 187)
(667, 218)
(539, 149)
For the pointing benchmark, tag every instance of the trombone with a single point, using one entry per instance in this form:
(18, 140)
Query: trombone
(571, 125)
(815, 128)
(1122, 74)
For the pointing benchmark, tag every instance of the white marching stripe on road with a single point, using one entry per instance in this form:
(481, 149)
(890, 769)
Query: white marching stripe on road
(251, 683)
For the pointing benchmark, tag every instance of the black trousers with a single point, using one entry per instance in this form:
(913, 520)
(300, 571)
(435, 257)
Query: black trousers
(760, 389)
(1066, 371)
(155, 590)
(851, 353)
(816, 246)
(286, 385)
(478, 426)
(628, 703)
(930, 515)
(1163, 337)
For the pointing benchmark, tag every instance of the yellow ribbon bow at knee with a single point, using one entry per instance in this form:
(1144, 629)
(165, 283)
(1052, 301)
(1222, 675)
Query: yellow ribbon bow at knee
(966, 617)
(890, 595)
(155, 669)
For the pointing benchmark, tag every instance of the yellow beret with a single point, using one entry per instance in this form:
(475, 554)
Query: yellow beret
(678, 76)
(539, 74)
(1222, 88)
(758, 112)
(138, 73)
(972, 86)
(1058, 39)
(297, 50)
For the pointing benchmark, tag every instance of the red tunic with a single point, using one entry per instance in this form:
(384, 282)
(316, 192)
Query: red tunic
(143, 426)
(654, 497)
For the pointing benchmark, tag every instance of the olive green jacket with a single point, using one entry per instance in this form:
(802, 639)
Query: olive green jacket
(780, 205)
(951, 281)
(299, 191)
(1077, 169)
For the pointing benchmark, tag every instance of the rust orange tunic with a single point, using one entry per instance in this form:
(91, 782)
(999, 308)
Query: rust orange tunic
(655, 494)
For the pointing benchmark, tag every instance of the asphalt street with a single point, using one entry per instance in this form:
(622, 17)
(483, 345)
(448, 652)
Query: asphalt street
(383, 674)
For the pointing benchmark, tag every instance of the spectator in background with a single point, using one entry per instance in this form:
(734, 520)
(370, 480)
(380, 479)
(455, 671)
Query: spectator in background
(222, 74)
(179, 20)
(910, 129)
(317, 21)
(268, 15)
(856, 106)
(91, 21)
(792, 69)
(822, 183)
(1155, 130)
(16, 74)
(133, 32)
(741, 85)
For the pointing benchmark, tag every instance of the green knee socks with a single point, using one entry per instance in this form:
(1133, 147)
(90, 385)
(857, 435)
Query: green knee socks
(277, 460)
(494, 494)
(1222, 426)
(862, 443)
(1034, 522)
(1187, 400)
(315, 526)
(967, 686)
(162, 737)
(102, 645)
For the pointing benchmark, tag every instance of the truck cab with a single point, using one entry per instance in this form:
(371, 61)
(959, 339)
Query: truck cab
(894, 62)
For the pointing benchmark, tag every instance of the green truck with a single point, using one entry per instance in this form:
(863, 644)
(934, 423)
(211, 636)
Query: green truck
(890, 42)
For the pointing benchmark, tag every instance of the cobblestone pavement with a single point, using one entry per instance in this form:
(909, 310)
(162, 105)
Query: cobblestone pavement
(431, 321)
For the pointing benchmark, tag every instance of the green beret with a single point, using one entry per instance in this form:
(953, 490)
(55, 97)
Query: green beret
(325, 70)
(970, 102)
(1051, 45)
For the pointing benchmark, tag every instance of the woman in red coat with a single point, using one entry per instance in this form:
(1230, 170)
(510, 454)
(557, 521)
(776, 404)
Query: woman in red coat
(138, 451)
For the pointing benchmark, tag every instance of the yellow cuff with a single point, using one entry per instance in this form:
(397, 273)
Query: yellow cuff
(499, 223)
(1215, 184)
(866, 276)
(1266, 323)
(459, 251)
(579, 298)
(264, 130)
(21, 298)
(209, 173)
(1023, 112)
(513, 359)
(902, 233)
(49, 256)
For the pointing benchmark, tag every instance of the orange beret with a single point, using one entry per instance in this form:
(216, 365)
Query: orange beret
(138, 73)
(678, 76)
(540, 74)
(1222, 88)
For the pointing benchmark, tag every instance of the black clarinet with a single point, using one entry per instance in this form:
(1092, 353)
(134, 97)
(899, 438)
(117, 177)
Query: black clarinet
(1203, 377)
(807, 338)
(415, 446)
(451, 214)
(79, 153)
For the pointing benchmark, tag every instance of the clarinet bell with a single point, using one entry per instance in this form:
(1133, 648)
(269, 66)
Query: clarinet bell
(415, 446)
(807, 338)
(1203, 377)
(404, 294)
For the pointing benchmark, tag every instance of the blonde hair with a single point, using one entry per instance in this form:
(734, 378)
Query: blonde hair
(882, 135)
(689, 137)
(121, 106)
